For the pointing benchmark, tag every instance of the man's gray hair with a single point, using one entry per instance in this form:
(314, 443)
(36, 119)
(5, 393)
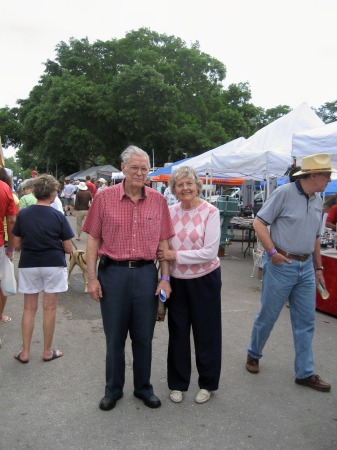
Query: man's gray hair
(133, 150)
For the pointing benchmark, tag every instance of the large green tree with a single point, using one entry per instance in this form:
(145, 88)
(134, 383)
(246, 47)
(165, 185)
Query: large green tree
(63, 122)
(147, 88)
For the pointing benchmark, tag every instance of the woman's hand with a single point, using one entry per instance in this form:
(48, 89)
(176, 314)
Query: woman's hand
(166, 255)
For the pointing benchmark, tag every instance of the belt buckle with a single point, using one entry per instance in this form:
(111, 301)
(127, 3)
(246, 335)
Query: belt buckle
(132, 264)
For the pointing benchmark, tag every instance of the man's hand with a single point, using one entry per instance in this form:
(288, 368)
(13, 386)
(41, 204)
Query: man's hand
(320, 278)
(94, 287)
(95, 290)
(277, 259)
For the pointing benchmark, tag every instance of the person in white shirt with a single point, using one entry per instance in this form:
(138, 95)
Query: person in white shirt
(101, 184)
(169, 197)
(57, 204)
(69, 191)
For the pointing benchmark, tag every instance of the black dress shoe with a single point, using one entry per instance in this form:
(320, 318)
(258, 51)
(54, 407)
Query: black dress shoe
(106, 404)
(151, 402)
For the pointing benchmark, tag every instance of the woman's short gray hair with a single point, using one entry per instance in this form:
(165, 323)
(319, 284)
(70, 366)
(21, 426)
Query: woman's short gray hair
(29, 183)
(133, 150)
(184, 172)
(44, 186)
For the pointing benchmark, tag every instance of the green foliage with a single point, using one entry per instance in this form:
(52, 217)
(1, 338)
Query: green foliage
(272, 114)
(328, 112)
(10, 127)
(148, 89)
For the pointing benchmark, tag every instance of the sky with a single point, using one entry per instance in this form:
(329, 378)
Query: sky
(286, 50)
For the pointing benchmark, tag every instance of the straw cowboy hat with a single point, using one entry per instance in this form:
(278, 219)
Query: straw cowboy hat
(318, 163)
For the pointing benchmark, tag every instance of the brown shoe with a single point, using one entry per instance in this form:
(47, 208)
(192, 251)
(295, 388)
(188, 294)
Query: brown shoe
(314, 382)
(252, 364)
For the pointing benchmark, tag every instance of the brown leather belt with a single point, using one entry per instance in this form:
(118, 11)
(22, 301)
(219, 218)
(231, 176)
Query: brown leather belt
(301, 258)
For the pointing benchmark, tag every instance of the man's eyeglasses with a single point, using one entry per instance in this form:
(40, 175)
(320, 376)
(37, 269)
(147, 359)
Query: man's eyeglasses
(325, 174)
(135, 169)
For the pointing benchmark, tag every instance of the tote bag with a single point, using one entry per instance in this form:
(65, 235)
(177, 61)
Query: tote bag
(7, 276)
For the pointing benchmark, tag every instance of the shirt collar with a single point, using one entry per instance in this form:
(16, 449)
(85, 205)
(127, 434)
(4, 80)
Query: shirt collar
(300, 189)
(122, 192)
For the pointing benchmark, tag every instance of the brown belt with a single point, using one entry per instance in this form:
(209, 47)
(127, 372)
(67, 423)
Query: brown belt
(301, 258)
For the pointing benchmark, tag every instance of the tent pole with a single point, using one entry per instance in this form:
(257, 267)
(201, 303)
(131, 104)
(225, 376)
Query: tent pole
(211, 184)
(267, 185)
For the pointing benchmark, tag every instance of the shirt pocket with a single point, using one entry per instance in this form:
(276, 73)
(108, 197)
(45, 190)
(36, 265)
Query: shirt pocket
(150, 228)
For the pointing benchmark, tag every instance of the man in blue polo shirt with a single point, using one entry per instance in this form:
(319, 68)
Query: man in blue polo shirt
(292, 265)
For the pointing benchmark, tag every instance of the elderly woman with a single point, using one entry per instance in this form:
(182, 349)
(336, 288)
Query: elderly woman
(27, 198)
(43, 235)
(195, 301)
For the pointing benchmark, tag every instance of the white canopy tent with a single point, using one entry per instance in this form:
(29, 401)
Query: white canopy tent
(318, 140)
(94, 172)
(202, 164)
(268, 152)
(117, 176)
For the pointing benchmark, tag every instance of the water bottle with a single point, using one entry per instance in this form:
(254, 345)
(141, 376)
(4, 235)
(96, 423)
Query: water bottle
(162, 296)
(324, 293)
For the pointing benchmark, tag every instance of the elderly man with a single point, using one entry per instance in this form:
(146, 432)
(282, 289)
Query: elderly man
(292, 265)
(125, 225)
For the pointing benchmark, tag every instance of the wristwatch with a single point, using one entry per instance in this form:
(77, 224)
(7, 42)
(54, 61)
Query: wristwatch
(319, 268)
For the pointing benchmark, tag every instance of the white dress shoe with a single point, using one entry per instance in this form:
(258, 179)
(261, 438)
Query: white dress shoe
(203, 396)
(176, 396)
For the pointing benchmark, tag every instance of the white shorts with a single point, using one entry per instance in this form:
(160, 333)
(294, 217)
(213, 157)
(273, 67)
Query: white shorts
(33, 280)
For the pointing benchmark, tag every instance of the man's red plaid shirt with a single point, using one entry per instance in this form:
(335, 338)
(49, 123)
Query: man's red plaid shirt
(127, 230)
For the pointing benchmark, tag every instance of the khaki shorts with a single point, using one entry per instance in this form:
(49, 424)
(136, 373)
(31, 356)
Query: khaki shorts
(69, 201)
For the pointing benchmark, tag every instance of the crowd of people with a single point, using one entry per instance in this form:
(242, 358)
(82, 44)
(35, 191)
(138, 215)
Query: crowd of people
(152, 249)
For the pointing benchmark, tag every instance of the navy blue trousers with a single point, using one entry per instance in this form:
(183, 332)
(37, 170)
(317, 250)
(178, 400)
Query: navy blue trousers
(195, 304)
(129, 305)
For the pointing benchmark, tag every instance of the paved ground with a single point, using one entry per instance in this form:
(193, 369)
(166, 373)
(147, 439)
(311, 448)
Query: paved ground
(55, 405)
